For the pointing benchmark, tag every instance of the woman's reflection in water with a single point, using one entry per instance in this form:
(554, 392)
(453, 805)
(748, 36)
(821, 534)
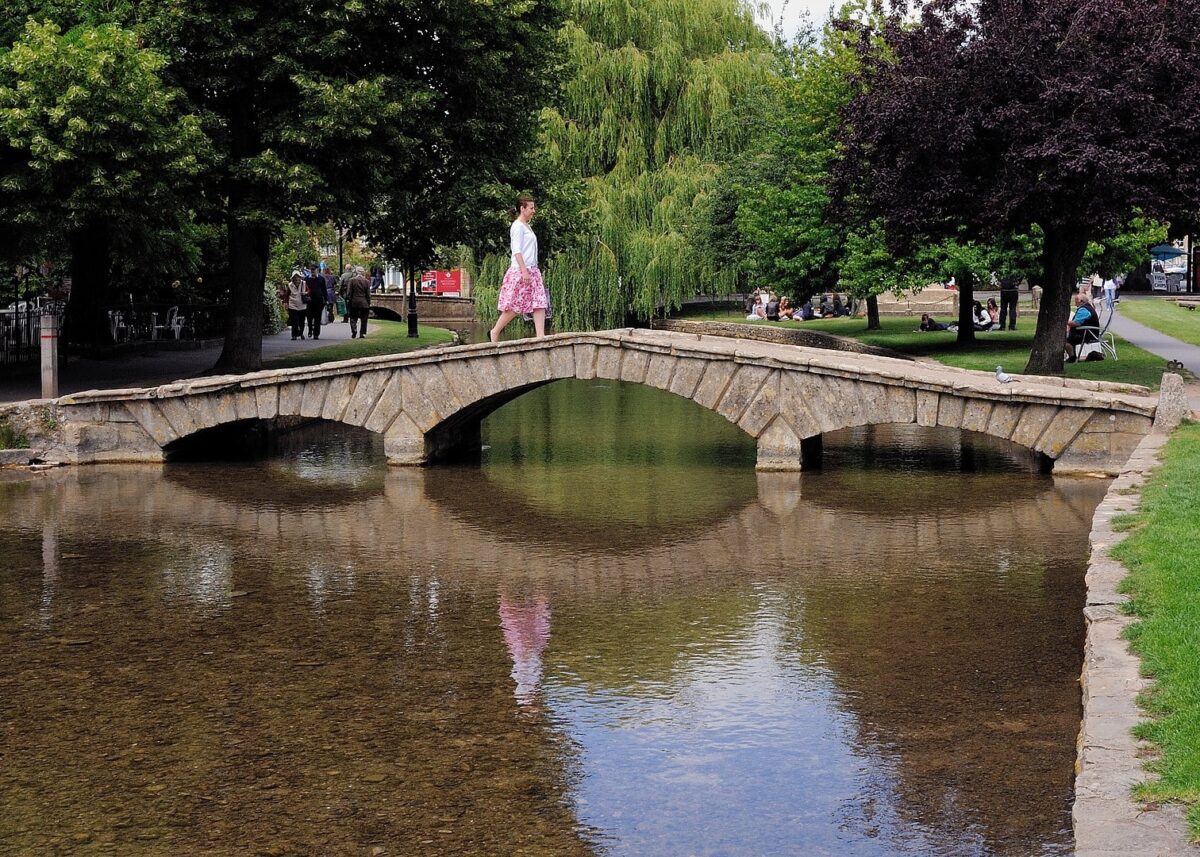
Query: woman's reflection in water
(525, 620)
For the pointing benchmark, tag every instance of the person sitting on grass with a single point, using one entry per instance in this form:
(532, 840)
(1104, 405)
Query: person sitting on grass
(772, 312)
(1085, 318)
(786, 311)
(928, 324)
(806, 311)
(993, 311)
(980, 317)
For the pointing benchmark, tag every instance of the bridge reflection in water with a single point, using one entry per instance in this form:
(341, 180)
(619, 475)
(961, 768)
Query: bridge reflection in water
(324, 654)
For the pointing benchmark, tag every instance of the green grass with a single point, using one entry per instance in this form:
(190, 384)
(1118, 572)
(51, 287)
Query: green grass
(1007, 348)
(1165, 317)
(383, 337)
(1163, 558)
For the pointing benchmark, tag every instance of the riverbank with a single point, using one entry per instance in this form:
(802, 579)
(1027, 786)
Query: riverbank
(1162, 554)
(1007, 348)
(1166, 317)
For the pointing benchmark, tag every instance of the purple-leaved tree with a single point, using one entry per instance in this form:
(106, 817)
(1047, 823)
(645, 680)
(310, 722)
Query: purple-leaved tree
(1000, 115)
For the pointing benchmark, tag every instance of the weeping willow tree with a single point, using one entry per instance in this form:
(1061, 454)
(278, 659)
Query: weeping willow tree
(648, 112)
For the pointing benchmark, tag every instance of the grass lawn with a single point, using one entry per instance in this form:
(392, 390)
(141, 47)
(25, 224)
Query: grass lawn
(383, 337)
(1007, 348)
(1163, 557)
(1165, 317)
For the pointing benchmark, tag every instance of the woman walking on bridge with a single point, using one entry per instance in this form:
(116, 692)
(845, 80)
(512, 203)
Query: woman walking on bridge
(523, 290)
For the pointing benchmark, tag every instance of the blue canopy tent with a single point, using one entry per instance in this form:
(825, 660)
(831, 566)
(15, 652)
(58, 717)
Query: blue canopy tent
(1162, 252)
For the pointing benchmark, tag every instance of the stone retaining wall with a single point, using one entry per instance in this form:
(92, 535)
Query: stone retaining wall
(779, 335)
(1107, 820)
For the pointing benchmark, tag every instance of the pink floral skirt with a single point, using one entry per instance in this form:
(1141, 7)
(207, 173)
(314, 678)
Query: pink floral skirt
(516, 296)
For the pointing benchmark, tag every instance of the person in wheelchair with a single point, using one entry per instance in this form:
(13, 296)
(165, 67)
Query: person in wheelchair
(1084, 319)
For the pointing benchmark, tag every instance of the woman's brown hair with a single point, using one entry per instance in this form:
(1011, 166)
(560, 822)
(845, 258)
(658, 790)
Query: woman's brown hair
(522, 201)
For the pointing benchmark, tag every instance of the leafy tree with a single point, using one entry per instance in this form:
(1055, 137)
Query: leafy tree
(1125, 251)
(646, 116)
(95, 149)
(381, 115)
(1000, 116)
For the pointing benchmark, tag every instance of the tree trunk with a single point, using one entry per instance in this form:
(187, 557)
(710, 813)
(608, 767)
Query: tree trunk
(249, 247)
(1062, 254)
(86, 323)
(873, 313)
(966, 302)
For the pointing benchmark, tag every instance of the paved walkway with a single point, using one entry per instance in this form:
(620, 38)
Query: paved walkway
(152, 369)
(1162, 345)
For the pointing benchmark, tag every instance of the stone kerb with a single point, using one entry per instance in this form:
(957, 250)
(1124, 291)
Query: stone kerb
(429, 404)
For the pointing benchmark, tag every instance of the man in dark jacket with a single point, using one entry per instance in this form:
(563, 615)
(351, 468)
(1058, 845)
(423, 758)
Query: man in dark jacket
(358, 303)
(315, 310)
(1008, 301)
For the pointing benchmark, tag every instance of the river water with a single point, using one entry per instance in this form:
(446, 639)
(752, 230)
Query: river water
(611, 637)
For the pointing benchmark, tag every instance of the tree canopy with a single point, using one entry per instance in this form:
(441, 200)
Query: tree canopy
(1004, 115)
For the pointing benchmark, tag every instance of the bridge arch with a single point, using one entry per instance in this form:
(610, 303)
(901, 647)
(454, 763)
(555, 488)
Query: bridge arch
(429, 405)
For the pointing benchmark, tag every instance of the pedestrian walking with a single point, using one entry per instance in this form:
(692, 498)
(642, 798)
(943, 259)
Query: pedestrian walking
(293, 293)
(358, 304)
(315, 309)
(523, 290)
(1110, 293)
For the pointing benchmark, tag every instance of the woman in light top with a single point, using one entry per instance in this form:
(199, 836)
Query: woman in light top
(523, 290)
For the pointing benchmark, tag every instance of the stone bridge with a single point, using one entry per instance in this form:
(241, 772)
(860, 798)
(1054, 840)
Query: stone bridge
(428, 405)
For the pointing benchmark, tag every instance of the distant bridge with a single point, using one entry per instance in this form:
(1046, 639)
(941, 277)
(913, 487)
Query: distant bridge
(429, 405)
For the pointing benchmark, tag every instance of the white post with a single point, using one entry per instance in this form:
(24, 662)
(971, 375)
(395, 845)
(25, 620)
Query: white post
(49, 344)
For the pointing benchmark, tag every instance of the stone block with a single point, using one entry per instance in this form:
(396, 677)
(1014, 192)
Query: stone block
(416, 404)
(432, 381)
(712, 385)
(387, 404)
(87, 443)
(634, 364)
(687, 375)
(660, 370)
(585, 361)
(179, 414)
(1034, 420)
(313, 398)
(845, 396)
(743, 386)
(902, 403)
(562, 361)
(950, 411)
(976, 413)
(203, 412)
(266, 398)
(927, 408)
(537, 365)
(337, 397)
(1062, 430)
(763, 408)
(487, 376)
(1173, 406)
(16, 457)
(150, 418)
(875, 402)
(365, 396)
(794, 391)
(290, 395)
(462, 382)
(778, 448)
(1003, 420)
(510, 369)
(608, 362)
(224, 407)
(245, 405)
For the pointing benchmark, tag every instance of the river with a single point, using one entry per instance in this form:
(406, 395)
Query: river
(610, 637)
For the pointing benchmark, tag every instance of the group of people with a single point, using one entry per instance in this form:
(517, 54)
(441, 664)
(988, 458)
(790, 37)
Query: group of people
(764, 305)
(315, 297)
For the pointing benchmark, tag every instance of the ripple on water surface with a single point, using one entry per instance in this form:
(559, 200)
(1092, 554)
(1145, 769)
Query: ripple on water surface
(610, 637)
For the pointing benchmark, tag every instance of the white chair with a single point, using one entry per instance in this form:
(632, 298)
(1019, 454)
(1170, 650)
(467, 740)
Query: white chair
(174, 323)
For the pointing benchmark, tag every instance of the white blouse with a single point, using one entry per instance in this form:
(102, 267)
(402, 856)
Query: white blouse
(523, 242)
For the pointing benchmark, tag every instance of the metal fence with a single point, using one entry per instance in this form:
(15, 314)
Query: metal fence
(19, 324)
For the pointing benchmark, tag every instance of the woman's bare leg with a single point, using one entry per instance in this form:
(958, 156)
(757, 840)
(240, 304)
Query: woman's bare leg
(501, 323)
(539, 322)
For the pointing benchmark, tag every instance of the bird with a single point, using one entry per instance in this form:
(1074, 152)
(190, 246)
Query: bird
(1002, 376)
